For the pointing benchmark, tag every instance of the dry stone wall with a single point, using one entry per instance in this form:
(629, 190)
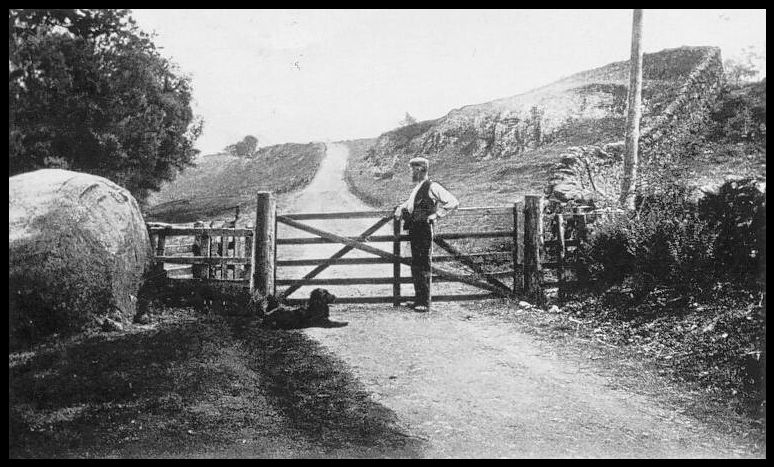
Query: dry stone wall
(593, 173)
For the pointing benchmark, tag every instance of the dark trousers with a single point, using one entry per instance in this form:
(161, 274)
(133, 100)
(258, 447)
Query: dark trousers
(421, 238)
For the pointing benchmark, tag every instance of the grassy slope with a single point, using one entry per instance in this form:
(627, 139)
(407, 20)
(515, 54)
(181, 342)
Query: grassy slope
(219, 182)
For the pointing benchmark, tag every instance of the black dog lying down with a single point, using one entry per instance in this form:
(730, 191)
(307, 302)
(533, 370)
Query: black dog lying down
(315, 313)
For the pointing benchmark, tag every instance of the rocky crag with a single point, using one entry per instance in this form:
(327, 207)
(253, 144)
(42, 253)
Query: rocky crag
(575, 126)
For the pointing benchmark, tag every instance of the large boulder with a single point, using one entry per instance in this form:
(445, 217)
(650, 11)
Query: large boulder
(78, 251)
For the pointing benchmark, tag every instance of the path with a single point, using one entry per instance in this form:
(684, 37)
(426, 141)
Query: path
(473, 386)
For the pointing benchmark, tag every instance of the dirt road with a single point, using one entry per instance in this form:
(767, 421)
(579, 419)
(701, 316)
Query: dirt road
(472, 386)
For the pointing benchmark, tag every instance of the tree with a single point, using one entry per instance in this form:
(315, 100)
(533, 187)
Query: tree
(245, 148)
(407, 120)
(742, 69)
(88, 91)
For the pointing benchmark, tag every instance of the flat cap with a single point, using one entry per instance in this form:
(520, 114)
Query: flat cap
(420, 161)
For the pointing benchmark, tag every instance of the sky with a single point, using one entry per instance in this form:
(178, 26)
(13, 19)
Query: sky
(328, 75)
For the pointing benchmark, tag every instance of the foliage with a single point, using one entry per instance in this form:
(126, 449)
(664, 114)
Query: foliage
(248, 147)
(89, 91)
(740, 115)
(737, 212)
(742, 69)
(408, 119)
(673, 241)
(664, 242)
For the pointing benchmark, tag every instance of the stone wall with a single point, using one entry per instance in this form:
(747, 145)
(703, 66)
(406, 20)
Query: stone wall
(593, 173)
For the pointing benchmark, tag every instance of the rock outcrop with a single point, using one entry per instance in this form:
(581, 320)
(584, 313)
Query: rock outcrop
(577, 118)
(78, 250)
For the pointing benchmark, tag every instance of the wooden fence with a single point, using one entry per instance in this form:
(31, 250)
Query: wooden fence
(542, 254)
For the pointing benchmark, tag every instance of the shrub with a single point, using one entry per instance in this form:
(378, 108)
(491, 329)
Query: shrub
(738, 213)
(670, 240)
(740, 115)
(663, 242)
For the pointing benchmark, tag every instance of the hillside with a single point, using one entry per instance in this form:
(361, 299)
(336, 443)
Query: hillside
(220, 182)
(494, 153)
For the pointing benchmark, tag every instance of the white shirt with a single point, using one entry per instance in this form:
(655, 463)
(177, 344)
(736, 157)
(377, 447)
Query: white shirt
(445, 201)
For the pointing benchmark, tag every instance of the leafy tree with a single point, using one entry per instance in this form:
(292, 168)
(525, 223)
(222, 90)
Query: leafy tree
(245, 148)
(408, 119)
(89, 91)
(740, 115)
(743, 69)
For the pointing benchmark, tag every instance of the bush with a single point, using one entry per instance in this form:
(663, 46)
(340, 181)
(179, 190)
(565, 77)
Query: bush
(740, 115)
(738, 214)
(671, 241)
(663, 242)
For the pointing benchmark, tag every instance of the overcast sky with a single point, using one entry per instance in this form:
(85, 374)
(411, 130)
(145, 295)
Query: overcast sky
(317, 75)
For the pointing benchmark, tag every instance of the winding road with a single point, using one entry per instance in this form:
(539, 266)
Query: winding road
(470, 385)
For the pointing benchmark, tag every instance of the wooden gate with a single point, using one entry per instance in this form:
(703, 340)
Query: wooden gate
(488, 282)
(248, 257)
(212, 254)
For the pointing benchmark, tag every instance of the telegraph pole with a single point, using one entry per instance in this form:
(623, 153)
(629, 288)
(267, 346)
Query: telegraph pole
(633, 115)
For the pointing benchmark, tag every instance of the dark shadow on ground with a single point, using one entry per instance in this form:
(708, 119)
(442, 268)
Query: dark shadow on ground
(194, 386)
(320, 397)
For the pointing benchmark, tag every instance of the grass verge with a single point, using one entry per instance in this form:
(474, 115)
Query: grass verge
(193, 385)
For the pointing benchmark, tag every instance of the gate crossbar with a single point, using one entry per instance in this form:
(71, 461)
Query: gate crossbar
(363, 236)
(384, 254)
(476, 269)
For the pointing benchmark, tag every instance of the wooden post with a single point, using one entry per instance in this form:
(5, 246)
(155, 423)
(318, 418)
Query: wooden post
(219, 251)
(264, 245)
(516, 248)
(248, 272)
(208, 249)
(581, 226)
(199, 271)
(520, 238)
(396, 263)
(237, 270)
(533, 240)
(629, 179)
(160, 247)
(561, 255)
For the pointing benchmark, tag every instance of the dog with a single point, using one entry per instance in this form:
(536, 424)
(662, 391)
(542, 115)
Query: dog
(316, 313)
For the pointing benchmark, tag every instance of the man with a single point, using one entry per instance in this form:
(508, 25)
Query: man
(427, 202)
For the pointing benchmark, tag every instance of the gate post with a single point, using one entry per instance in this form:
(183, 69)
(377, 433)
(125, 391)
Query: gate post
(160, 247)
(264, 245)
(199, 270)
(560, 257)
(533, 240)
(396, 263)
(518, 273)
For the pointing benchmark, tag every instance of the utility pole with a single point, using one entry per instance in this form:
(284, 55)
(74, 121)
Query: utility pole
(633, 115)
